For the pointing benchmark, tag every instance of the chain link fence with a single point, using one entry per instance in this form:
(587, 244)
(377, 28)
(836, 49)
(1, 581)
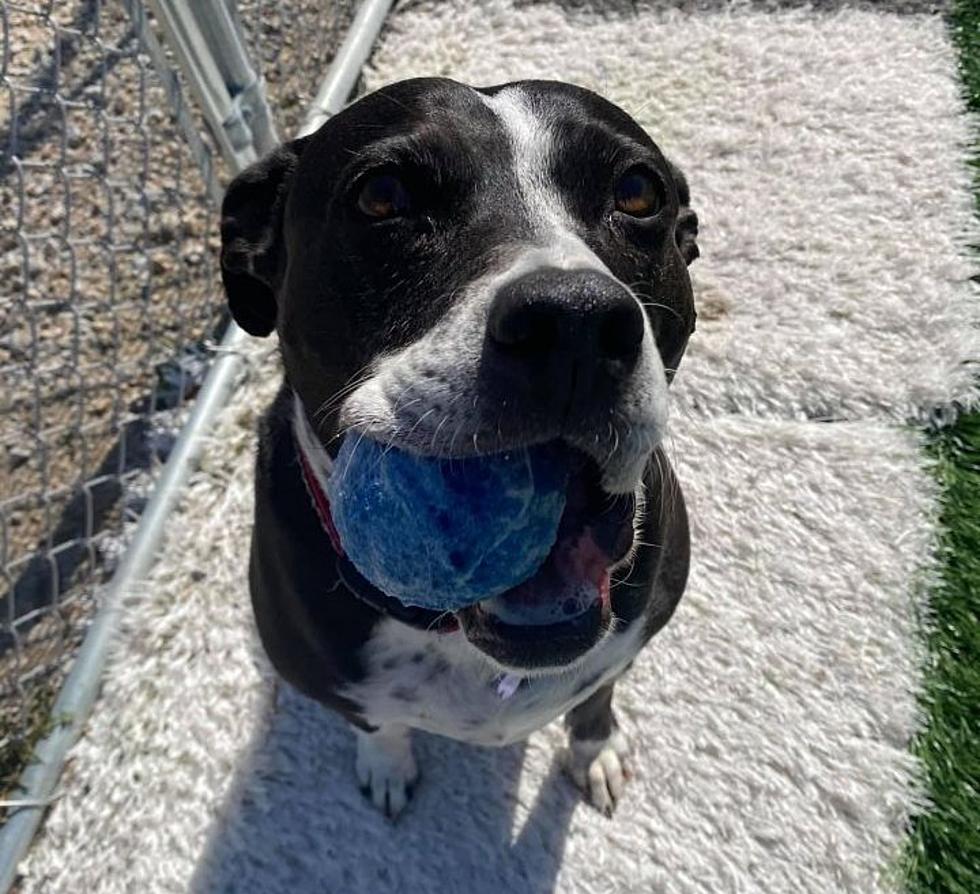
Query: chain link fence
(110, 300)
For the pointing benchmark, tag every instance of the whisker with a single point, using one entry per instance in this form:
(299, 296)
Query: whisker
(435, 434)
(350, 458)
(660, 306)
(437, 620)
(355, 381)
(419, 421)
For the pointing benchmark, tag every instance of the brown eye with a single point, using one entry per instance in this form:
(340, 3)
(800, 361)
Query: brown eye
(383, 196)
(638, 194)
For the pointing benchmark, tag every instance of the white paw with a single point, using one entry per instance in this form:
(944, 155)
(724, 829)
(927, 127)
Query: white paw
(600, 768)
(386, 769)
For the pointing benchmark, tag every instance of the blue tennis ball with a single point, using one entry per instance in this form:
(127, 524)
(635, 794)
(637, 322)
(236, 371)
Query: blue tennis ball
(445, 533)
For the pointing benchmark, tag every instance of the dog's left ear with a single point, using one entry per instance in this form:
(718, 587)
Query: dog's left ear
(686, 231)
(252, 255)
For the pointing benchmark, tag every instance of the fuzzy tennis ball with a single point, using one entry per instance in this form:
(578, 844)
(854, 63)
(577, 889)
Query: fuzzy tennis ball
(445, 533)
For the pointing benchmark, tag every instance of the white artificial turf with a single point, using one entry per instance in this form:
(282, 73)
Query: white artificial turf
(771, 718)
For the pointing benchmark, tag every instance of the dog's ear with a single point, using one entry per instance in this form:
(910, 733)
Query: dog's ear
(686, 231)
(251, 237)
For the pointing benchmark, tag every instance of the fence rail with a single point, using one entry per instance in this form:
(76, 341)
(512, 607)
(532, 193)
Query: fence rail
(113, 155)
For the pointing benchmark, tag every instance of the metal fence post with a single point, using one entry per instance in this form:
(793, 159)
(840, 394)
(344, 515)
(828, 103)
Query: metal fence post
(148, 41)
(250, 108)
(212, 55)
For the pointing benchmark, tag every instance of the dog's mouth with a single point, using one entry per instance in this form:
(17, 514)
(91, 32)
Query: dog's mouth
(564, 608)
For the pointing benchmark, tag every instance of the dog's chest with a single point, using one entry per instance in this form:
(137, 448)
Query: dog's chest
(439, 683)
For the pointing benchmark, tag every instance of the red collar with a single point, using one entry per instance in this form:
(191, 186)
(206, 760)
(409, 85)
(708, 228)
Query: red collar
(320, 502)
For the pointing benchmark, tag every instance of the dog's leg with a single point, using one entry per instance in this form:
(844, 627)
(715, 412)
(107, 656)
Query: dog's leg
(597, 754)
(386, 767)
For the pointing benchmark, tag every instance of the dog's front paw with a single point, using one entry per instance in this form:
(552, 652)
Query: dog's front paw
(600, 767)
(386, 769)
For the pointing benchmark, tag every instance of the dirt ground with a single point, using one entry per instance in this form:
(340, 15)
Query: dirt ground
(109, 300)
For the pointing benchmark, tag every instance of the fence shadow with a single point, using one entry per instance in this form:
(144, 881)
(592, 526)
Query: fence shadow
(294, 820)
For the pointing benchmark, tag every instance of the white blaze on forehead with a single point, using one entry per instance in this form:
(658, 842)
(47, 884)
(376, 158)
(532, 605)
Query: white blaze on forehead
(532, 141)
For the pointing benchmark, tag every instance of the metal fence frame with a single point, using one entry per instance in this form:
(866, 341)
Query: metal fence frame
(212, 56)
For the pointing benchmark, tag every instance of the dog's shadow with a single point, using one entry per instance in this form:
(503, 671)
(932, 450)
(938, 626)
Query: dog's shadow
(294, 820)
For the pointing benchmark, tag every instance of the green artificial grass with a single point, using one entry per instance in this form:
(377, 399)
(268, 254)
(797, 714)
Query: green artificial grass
(944, 851)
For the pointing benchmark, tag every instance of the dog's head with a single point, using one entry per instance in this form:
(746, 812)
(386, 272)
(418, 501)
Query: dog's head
(459, 270)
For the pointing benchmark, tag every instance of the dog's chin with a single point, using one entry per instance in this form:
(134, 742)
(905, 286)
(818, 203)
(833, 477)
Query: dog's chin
(561, 612)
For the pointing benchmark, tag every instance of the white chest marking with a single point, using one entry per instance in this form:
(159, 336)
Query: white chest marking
(442, 684)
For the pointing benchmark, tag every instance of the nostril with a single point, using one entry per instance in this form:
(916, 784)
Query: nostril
(526, 329)
(621, 331)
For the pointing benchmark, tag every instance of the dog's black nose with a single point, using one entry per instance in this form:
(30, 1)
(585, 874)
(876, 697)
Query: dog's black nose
(565, 333)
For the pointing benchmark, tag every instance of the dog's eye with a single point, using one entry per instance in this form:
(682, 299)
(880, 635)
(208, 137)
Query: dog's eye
(638, 194)
(383, 196)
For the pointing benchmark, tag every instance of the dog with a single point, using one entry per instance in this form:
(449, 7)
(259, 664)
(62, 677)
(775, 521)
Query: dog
(458, 271)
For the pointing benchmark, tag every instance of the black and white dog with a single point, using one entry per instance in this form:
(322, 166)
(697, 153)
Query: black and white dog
(458, 271)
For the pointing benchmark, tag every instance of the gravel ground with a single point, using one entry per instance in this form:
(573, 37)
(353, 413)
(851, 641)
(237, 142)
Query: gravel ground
(110, 299)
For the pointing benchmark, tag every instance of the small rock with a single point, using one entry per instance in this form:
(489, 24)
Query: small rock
(17, 456)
